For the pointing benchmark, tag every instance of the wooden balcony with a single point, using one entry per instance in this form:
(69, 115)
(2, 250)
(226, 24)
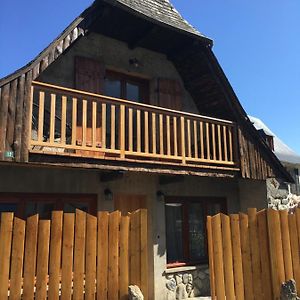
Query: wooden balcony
(80, 124)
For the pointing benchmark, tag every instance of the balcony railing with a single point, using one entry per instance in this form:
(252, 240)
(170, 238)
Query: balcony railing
(71, 122)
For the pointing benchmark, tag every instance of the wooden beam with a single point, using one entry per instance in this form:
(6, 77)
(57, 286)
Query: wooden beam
(111, 176)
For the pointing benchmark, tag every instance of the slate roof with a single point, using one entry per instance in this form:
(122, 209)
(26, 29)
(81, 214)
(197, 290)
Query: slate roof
(161, 10)
(281, 150)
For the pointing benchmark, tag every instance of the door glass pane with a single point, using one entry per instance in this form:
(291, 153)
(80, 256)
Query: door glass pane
(113, 88)
(132, 92)
(196, 231)
(174, 232)
(70, 207)
(44, 209)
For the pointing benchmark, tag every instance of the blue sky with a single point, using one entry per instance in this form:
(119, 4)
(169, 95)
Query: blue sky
(257, 44)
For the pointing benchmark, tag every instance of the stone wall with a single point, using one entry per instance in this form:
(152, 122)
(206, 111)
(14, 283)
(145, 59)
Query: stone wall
(280, 196)
(189, 282)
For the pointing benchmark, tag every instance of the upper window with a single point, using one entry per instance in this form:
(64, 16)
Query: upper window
(123, 86)
(186, 228)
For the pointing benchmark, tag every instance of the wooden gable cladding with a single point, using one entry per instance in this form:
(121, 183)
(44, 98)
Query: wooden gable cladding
(253, 162)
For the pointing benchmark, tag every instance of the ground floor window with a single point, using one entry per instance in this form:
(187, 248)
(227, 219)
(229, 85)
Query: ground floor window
(25, 205)
(186, 228)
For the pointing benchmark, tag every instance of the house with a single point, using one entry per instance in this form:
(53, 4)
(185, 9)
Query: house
(281, 194)
(129, 108)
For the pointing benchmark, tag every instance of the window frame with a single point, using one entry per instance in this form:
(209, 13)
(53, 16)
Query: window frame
(144, 94)
(58, 199)
(185, 227)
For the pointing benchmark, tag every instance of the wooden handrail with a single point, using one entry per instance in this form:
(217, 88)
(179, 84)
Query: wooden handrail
(93, 96)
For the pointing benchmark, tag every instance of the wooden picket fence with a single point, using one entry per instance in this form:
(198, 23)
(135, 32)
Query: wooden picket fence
(250, 255)
(73, 256)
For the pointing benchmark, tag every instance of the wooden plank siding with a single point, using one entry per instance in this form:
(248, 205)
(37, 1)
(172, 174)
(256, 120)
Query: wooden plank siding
(74, 256)
(253, 162)
(253, 254)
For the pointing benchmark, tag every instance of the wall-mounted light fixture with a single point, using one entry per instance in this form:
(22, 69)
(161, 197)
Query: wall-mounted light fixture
(160, 196)
(135, 62)
(108, 195)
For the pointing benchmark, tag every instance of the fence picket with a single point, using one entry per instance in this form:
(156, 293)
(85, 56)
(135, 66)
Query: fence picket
(254, 247)
(135, 257)
(211, 258)
(246, 257)
(17, 257)
(55, 254)
(264, 254)
(67, 256)
(102, 255)
(237, 256)
(79, 255)
(286, 245)
(30, 257)
(227, 256)
(276, 255)
(124, 258)
(91, 247)
(294, 233)
(218, 257)
(113, 255)
(5, 252)
(42, 259)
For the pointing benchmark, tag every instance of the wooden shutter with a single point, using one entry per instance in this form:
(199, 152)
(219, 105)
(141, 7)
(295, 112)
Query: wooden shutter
(170, 93)
(89, 75)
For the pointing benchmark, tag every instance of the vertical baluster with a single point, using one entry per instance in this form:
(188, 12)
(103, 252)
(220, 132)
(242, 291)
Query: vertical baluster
(52, 118)
(138, 130)
(84, 121)
(113, 127)
(130, 130)
(219, 141)
(146, 132)
(122, 131)
(63, 119)
(201, 140)
(74, 120)
(41, 116)
(168, 137)
(182, 127)
(214, 141)
(175, 136)
(230, 144)
(103, 126)
(94, 124)
(153, 133)
(161, 135)
(189, 138)
(225, 143)
(207, 141)
(195, 138)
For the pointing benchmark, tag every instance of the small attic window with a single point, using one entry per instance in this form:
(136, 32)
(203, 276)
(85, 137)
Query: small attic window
(269, 139)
